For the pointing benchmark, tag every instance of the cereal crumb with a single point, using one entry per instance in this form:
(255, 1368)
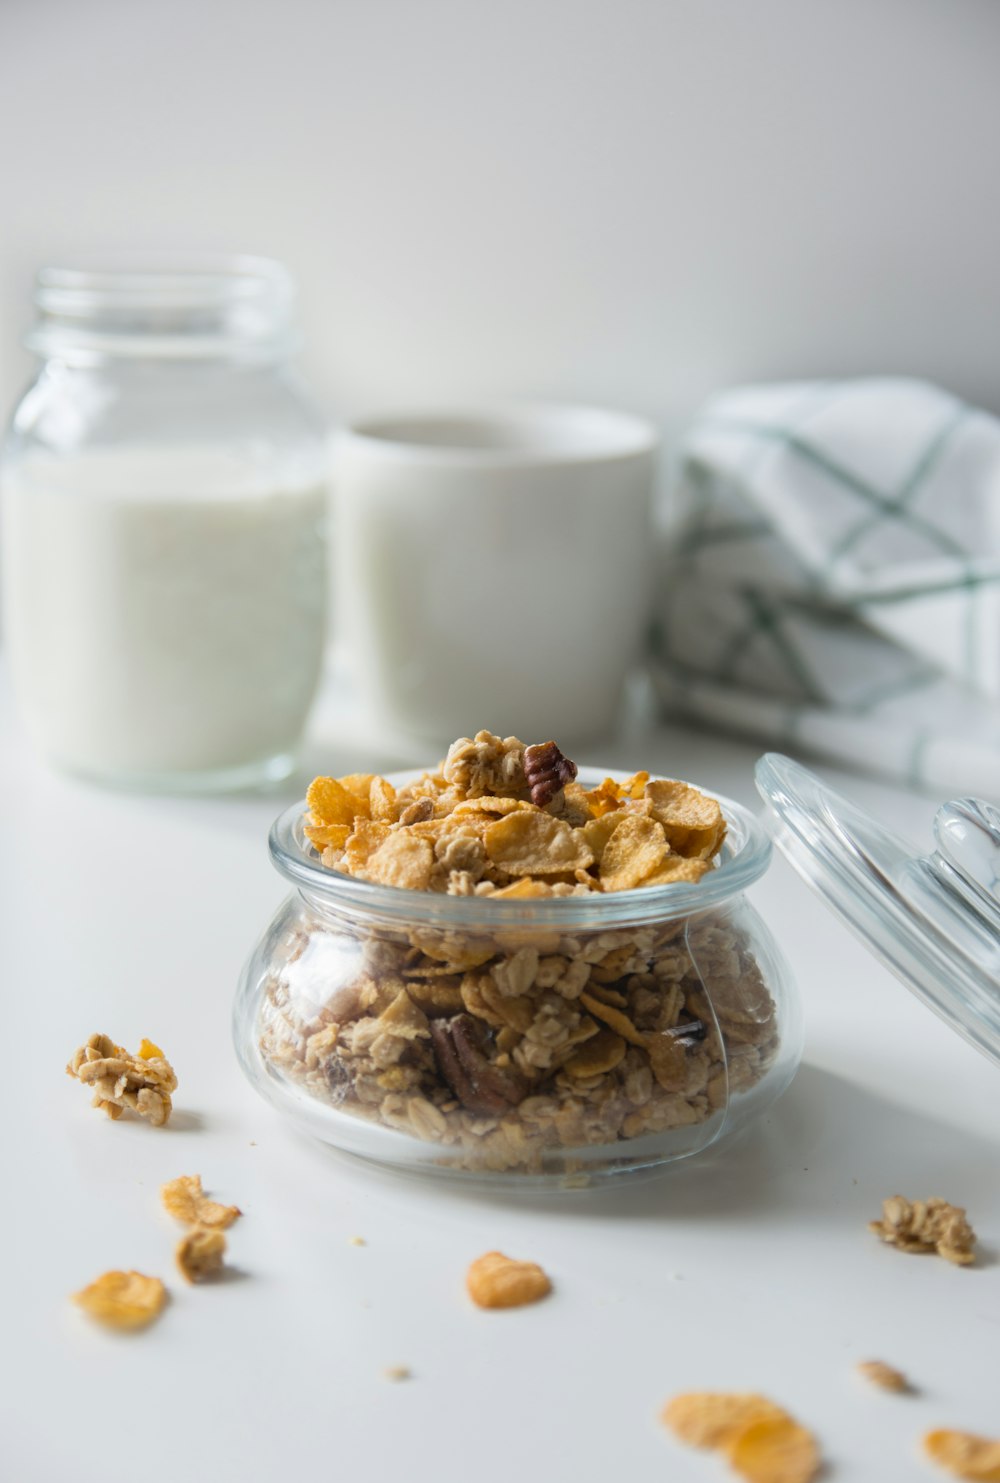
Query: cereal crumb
(884, 1376)
(357, 1241)
(397, 1372)
(965, 1455)
(762, 1442)
(123, 1300)
(200, 1253)
(926, 1226)
(140, 1083)
(184, 1199)
(497, 1281)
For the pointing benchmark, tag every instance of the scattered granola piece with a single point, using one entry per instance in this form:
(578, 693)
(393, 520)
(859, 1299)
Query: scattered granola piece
(760, 1439)
(547, 770)
(774, 1450)
(714, 1418)
(926, 1226)
(142, 1083)
(397, 1372)
(199, 1254)
(884, 1376)
(123, 1300)
(357, 1241)
(964, 1455)
(183, 1199)
(497, 1281)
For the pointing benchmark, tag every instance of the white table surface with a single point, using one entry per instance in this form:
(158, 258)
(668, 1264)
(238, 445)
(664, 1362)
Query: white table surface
(132, 915)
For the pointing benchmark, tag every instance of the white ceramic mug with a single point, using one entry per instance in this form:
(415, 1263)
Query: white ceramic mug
(493, 567)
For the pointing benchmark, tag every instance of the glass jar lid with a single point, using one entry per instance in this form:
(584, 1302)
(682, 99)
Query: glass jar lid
(934, 918)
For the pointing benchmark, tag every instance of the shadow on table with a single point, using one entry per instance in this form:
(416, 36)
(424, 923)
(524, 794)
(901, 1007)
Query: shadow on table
(829, 1143)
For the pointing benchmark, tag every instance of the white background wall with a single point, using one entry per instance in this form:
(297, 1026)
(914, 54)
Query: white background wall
(624, 201)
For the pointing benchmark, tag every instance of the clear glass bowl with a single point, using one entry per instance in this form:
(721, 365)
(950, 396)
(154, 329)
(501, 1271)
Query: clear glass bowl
(556, 1041)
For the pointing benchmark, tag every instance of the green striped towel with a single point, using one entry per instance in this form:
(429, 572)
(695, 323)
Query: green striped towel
(830, 578)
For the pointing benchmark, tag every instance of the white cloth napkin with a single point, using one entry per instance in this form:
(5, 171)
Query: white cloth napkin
(830, 579)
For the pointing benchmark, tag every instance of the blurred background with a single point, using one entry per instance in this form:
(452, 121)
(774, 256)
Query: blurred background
(631, 203)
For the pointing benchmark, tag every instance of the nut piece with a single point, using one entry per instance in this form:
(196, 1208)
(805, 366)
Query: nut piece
(546, 771)
(883, 1376)
(497, 1281)
(199, 1254)
(460, 1046)
(141, 1083)
(964, 1455)
(183, 1199)
(123, 1300)
(926, 1226)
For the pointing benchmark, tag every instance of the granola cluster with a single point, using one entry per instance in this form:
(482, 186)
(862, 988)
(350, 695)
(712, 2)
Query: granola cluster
(141, 1083)
(924, 1226)
(504, 1043)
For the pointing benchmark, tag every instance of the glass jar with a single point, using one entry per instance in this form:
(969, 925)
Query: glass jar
(545, 1041)
(164, 527)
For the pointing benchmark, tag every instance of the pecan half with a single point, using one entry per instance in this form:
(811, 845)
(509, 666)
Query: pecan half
(460, 1045)
(546, 771)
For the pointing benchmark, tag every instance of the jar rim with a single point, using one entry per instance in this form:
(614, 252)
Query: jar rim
(746, 855)
(159, 305)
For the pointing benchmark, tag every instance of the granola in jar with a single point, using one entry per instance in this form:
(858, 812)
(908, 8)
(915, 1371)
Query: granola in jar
(559, 976)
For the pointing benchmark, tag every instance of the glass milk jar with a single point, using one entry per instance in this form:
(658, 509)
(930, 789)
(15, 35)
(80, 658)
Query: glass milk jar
(164, 527)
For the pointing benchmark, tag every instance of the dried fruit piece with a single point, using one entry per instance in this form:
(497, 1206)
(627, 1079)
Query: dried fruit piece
(877, 1373)
(497, 1281)
(141, 1083)
(715, 1418)
(692, 822)
(123, 1300)
(199, 1254)
(926, 1225)
(635, 850)
(965, 1455)
(774, 1450)
(529, 843)
(547, 770)
(184, 1200)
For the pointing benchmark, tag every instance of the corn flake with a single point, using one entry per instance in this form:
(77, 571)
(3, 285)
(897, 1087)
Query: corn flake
(964, 1455)
(530, 842)
(635, 850)
(774, 1450)
(692, 822)
(603, 1052)
(184, 1199)
(402, 861)
(123, 1300)
(714, 1419)
(612, 1017)
(497, 1281)
(330, 802)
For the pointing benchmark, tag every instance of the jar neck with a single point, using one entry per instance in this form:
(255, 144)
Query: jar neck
(211, 309)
